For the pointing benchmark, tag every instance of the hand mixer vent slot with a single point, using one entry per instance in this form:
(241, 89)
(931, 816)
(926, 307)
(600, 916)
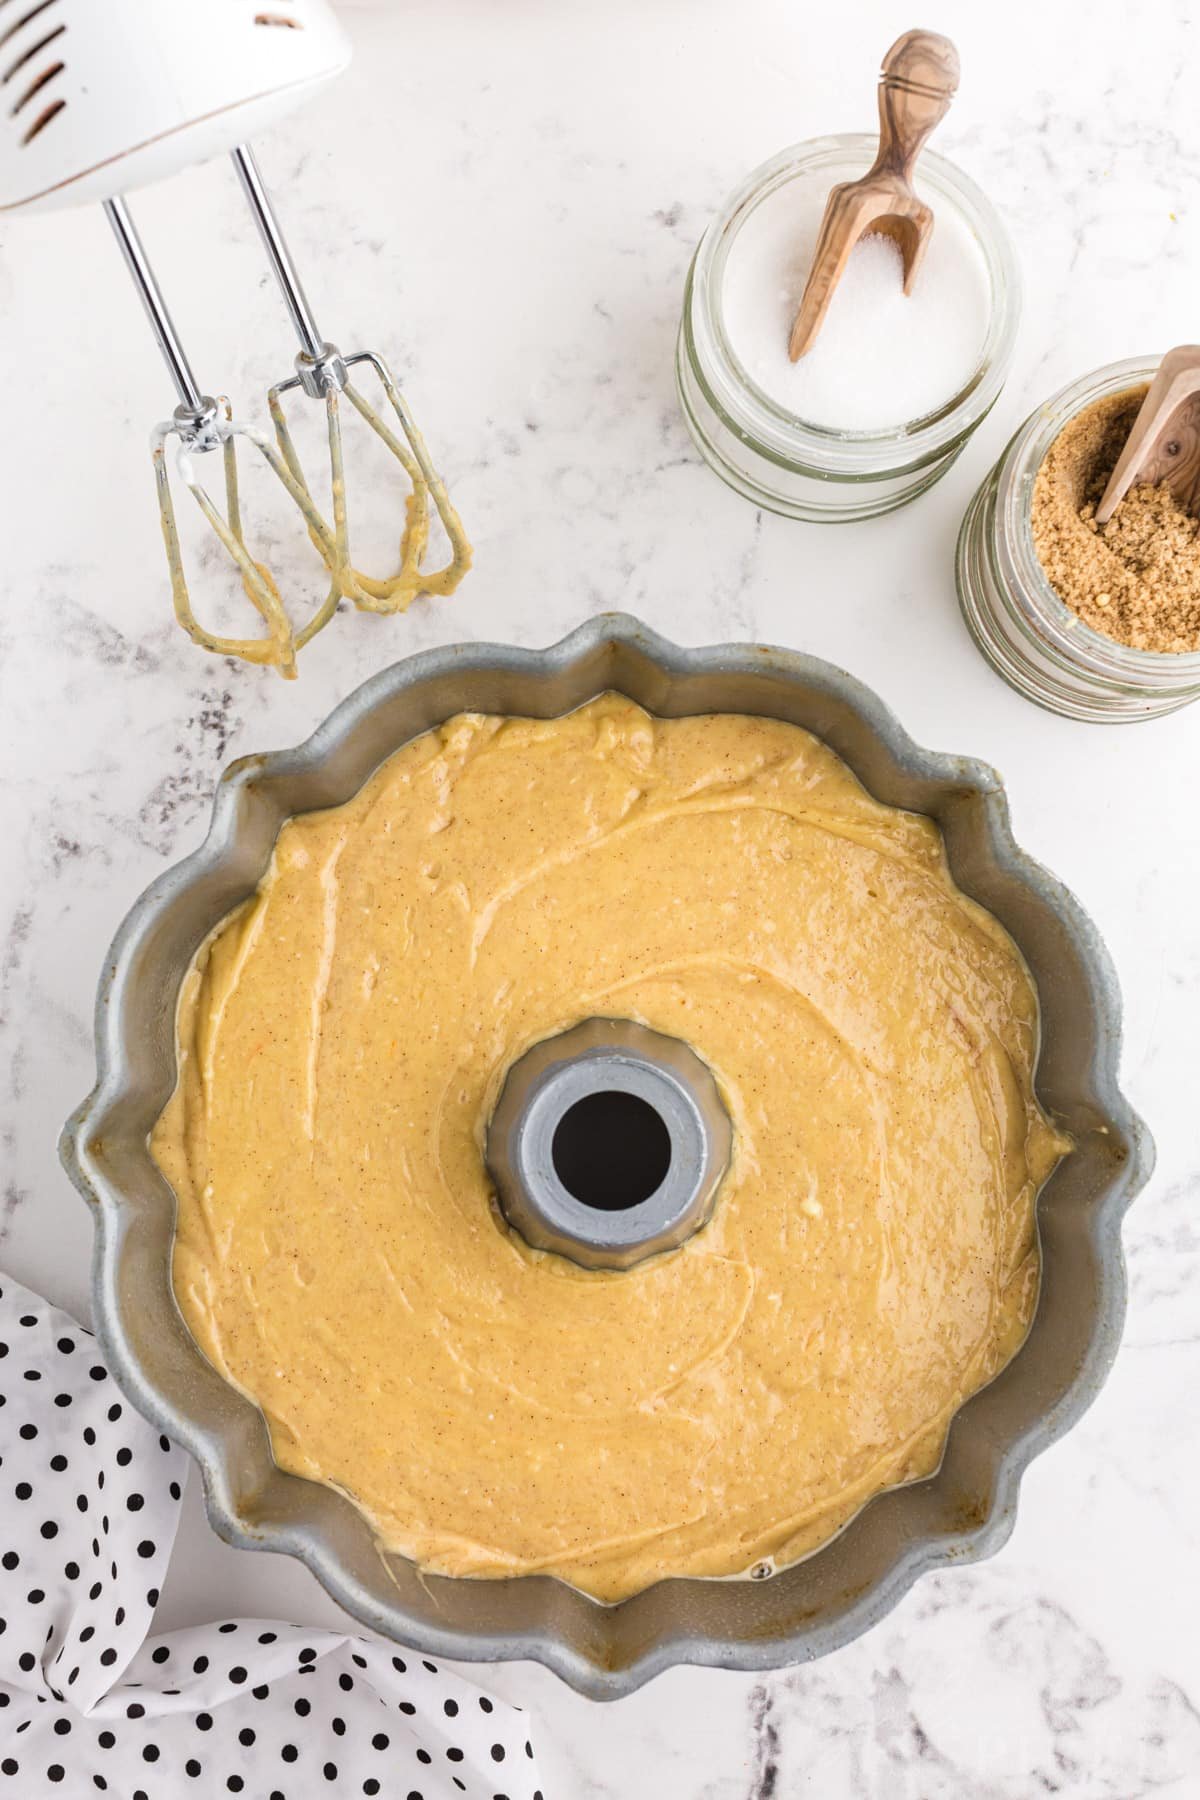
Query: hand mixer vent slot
(31, 84)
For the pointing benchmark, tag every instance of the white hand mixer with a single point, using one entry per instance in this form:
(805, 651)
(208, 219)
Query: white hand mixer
(99, 98)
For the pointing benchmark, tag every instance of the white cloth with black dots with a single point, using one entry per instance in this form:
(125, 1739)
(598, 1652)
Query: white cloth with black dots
(89, 1504)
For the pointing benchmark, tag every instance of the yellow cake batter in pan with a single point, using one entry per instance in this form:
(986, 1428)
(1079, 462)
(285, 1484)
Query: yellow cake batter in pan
(871, 1260)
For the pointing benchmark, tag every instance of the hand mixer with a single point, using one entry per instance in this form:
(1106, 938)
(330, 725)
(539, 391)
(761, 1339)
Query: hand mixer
(95, 100)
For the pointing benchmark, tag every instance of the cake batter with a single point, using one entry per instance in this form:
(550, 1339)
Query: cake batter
(495, 1410)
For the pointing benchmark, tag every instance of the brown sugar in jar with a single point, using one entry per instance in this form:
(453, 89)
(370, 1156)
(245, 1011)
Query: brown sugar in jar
(1137, 579)
(1031, 578)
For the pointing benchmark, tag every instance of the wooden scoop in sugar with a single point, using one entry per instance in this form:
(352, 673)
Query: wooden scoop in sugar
(1163, 446)
(917, 82)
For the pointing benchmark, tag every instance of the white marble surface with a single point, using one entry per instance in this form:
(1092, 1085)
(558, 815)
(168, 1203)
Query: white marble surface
(505, 198)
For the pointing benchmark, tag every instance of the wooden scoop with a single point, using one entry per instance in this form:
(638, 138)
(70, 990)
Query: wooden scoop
(916, 85)
(1163, 445)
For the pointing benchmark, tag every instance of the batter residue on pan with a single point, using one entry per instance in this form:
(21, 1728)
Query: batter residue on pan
(871, 1260)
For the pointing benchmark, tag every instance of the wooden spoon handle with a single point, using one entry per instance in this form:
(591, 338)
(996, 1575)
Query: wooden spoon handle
(917, 82)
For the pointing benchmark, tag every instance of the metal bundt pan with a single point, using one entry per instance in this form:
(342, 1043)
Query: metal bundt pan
(962, 1512)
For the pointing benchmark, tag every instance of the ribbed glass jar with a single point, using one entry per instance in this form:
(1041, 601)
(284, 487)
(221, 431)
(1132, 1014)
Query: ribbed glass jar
(1030, 636)
(807, 471)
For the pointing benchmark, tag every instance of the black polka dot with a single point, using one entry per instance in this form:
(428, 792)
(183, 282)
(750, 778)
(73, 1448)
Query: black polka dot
(55, 1772)
(359, 1661)
(114, 1412)
(237, 1675)
(423, 1756)
(108, 1658)
(62, 1399)
(371, 1786)
(259, 1693)
(99, 1781)
(406, 1706)
(71, 1571)
(497, 1752)
(26, 1660)
(124, 1457)
(204, 1721)
(58, 1463)
(485, 1704)
(136, 1711)
(176, 1493)
(289, 1753)
(345, 1682)
(432, 1667)
(32, 1374)
(450, 1708)
(267, 1637)
(35, 1596)
(229, 1625)
(191, 1767)
(164, 1443)
(10, 1559)
(235, 1784)
(28, 1432)
(89, 1435)
(66, 1345)
(62, 1727)
(400, 1666)
(245, 1736)
(81, 1503)
(304, 1707)
(151, 1596)
(145, 1548)
(380, 1741)
(22, 1490)
(308, 1655)
(10, 1766)
(98, 1372)
(150, 1753)
(95, 1591)
(160, 1654)
(330, 1771)
(454, 1754)
(119, 1616)
(106, 1740)
(338, 1726)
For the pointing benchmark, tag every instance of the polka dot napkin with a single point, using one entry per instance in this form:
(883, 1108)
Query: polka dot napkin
(89, 1503)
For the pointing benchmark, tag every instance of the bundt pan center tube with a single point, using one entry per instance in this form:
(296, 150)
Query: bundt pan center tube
(963, 1511)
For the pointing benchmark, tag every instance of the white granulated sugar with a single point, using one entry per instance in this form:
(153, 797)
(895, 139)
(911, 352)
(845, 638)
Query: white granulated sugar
(882, 357)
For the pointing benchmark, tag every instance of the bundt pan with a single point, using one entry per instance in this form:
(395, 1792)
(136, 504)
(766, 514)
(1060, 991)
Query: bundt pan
(964, 1511)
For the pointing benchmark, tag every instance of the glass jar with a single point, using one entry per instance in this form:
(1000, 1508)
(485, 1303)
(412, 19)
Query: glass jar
(807, 471)
(1030, 636)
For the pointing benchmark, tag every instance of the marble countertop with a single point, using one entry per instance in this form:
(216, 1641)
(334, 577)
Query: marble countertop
(505, 199)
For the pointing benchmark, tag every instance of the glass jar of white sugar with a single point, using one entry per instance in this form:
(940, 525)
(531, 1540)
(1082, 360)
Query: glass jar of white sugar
(894, 385)
(1028, 634)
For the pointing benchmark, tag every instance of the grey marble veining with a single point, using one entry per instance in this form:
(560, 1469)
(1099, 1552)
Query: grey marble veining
(505, 200)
